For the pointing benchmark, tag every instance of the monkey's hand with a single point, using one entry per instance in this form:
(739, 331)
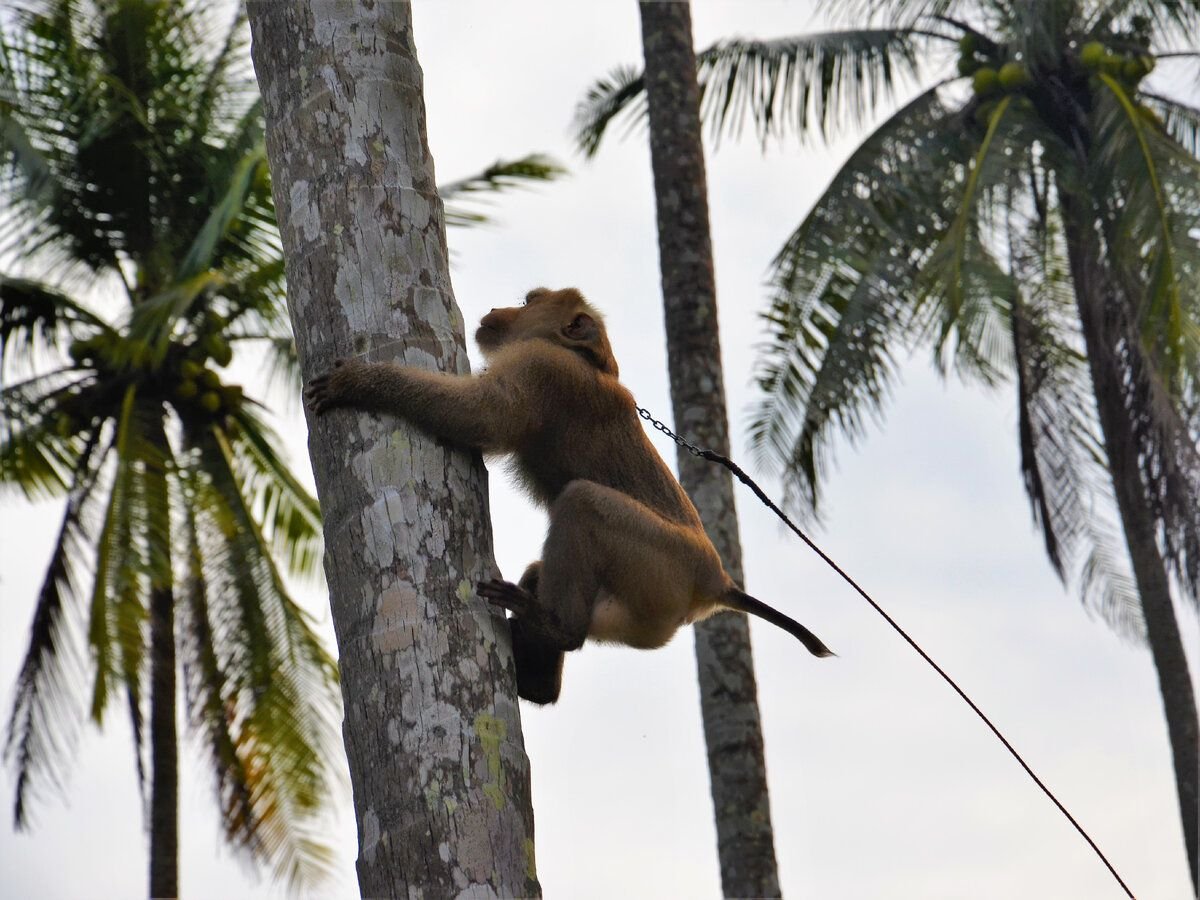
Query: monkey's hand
(334, 388)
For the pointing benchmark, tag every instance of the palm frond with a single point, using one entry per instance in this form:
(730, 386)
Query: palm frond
(48, 701)
(1151, 317)
(281, 681)
(33, 313)
(42, 430)
(951, 264)
(1061, 457)
(501, 176)
(1151, 230)
(199, 257)
(211, 699)
(155, 322)
(225, 75)
(1180, 120)
(116, 577)
(823, 82)
(622, 91)
(255, 293)
(290, 516)
(816, 82)
(845, 290)
(1168, 22)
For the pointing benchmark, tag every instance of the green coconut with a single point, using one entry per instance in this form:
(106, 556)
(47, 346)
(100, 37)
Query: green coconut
(1092, 54)
(1014, 76)
(210, 401)
(986, 81)
(218, 349)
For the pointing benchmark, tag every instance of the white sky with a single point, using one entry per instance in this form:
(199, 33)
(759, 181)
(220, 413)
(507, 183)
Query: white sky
(882, 783)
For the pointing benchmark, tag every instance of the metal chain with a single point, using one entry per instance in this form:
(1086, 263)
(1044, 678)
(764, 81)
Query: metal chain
(691, 448)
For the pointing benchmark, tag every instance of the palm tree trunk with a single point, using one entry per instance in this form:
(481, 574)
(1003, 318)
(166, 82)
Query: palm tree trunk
(432, 729)
(1149, 569)
(164, 748)
(164, 739)
(728, 692)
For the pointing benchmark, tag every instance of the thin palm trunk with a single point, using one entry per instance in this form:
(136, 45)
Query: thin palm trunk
(1149, 569)
(432, 729)
(164, 764)
(728, 692)
(164, 738)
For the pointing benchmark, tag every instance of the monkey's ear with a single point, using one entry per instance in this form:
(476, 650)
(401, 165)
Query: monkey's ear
(589, 334)
(581, 328)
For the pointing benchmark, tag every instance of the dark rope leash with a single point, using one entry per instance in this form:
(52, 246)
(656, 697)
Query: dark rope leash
(713, 456)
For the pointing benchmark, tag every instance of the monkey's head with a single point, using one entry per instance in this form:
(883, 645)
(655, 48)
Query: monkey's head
(562, 317)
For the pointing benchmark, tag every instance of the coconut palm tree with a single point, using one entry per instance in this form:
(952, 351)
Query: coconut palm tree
(138, 230)
(1030, 211)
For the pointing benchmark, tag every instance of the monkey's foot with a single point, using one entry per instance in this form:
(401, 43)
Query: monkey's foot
(507, 595)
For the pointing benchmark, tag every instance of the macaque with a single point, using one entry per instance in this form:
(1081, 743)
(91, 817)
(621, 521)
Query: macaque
(626, 559)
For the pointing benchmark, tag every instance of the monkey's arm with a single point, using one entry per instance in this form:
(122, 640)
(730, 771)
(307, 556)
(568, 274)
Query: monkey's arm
(485, 411)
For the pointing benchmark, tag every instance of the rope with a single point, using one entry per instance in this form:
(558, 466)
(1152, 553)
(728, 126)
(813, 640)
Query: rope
(713, 456)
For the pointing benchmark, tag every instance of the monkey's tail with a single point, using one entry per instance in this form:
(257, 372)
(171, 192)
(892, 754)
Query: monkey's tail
(743, 602)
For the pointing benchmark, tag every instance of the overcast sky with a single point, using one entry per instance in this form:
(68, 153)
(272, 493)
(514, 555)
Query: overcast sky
(883, 784)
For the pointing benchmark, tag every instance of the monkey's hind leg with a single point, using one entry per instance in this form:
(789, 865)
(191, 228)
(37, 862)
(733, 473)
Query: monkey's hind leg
(539, 662)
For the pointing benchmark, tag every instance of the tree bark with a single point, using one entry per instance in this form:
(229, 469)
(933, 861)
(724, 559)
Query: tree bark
(1137, 519)
(164, 748)
(728, 692)
(432, 729)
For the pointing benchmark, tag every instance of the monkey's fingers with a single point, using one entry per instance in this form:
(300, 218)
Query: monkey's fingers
(317, 395)
(505, 594)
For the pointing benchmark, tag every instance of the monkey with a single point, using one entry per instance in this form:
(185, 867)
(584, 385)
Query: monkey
(626, 559)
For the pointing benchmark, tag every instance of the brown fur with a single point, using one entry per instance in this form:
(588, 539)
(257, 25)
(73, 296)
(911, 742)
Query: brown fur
(626, 558)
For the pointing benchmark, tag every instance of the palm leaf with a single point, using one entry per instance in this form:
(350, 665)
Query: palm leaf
(47, 706)
(279, 674)
(33, 312)
(845, 290)
(37, 454)
(1180, 120)
(291, 516)
(228, 210)
(961, 252)
(821, 82)
(501, 176)
(1151, 320)
(1061, 460)
(210, 697)
(154, 323)
(116, 574)
(621, 93)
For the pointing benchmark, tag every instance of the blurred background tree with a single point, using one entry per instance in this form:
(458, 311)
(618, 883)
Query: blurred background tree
(1035, 216)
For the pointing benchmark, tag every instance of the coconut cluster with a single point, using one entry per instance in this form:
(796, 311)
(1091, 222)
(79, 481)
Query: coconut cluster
(990, 76)
(1129, 68)
(184, 375)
